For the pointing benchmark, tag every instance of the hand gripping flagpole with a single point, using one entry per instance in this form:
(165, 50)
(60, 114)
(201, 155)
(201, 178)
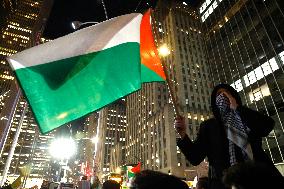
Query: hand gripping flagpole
(169, 82)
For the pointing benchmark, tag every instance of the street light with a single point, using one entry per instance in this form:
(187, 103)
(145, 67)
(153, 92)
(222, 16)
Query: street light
(118, 170)
(77, 24)
(95, 139)
(164, 50)
(62, 149)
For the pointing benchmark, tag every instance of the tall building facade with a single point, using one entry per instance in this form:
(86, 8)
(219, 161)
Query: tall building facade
(111, 132)
(245, 48)
(117, 157)
(83, 131)
(21, 28)
(150, 134)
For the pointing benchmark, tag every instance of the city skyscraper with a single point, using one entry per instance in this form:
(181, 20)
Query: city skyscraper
(21, 28)
(150, 134)
(245, 48)
(111, 132)
(83, 131)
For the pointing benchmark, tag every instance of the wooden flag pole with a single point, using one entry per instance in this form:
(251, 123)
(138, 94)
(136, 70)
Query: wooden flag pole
(169, 82)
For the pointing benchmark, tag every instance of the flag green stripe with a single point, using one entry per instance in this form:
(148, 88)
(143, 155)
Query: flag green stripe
(79, 85)
(148, 75)
(130, 174)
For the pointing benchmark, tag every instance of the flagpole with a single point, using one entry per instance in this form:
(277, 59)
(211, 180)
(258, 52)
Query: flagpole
(13, 147)
(170, 86)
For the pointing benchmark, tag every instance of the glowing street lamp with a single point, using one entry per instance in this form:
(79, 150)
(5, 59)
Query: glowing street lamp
(95, 140)
(164, 50)
(62, 148)
(77, 24)
(118, 170)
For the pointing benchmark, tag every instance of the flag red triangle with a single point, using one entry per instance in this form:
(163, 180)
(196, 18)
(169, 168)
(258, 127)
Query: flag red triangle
(137, 168)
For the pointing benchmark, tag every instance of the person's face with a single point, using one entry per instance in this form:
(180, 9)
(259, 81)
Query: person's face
(223, 100)
(219, 91)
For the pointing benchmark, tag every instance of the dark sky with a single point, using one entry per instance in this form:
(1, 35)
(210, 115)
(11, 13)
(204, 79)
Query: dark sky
(65, 11)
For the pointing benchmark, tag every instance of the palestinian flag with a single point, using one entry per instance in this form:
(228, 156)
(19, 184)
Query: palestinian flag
(130, 173)
(132, 170)
(137, 168)
(84, 71)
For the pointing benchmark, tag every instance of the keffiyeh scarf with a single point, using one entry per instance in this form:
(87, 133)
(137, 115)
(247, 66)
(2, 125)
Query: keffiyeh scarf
(236, 130)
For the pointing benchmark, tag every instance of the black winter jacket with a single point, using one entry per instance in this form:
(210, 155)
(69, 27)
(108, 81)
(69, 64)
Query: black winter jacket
(212, 142)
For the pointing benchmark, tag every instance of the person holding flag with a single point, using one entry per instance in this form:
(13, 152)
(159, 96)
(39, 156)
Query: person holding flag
(233, 136)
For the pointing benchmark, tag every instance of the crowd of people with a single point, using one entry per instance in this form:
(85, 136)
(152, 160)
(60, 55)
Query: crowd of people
(231, 141)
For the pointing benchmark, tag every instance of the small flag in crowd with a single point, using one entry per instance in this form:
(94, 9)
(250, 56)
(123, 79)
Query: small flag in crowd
(130, 173)
(137, 168)
(84, 71)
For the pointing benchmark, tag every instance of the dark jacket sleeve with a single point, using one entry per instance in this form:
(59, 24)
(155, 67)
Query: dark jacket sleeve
(261, 125)
(195, 152)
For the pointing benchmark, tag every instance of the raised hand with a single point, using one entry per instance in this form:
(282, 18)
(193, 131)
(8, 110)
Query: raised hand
(180, 126)
(233, 102)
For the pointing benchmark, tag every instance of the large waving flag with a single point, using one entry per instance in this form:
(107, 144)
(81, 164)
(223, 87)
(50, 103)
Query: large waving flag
(84, 71)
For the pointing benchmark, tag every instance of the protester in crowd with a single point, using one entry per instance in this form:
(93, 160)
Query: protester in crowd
(202, 183)
(250, 174)
(111, 184)
(149, 179)
(96, 184)
(234, 135)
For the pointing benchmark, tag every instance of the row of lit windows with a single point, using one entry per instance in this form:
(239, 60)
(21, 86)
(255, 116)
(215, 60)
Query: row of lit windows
(192, 29)
(258, 73)
(210, 10)
(32, 3)
(6, 77)
(24, 15)
(7, 50)
(204, 6)
(5, 53)
(15, 35)
(19, 28)
(14, 23)
(31, 16)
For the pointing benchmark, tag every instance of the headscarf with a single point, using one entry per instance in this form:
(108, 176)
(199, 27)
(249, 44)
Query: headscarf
(236, 130)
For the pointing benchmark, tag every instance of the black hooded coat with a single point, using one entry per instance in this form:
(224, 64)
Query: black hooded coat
(212, 142)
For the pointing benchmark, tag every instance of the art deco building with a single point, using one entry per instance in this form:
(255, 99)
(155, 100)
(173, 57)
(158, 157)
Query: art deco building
(22, 26)
(117, 157)
(83, 131)
(150, 134)
(245, 48)
(111, 132)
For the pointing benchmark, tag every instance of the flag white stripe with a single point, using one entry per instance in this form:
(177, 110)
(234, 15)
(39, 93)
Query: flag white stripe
(102, 36)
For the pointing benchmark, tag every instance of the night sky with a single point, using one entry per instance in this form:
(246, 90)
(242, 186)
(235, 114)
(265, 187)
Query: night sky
(65, 11)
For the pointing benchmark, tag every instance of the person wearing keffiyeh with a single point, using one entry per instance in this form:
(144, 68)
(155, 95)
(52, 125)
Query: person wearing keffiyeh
(232, 136)
(237, 131)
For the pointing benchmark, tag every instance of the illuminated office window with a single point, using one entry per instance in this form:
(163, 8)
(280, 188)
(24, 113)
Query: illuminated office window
(281, 55)
(258, 73)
